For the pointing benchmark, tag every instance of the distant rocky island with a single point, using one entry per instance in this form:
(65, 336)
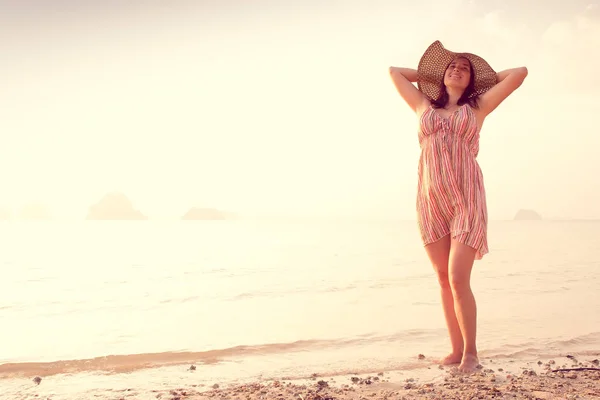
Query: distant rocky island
(5, 214)
(34, 212)
(527, 215)
(197, 213)
(114, 206)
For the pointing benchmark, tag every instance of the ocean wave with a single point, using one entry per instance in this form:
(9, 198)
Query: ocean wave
(374, 284)
(132, 362)
(288, 292)
(581, 345)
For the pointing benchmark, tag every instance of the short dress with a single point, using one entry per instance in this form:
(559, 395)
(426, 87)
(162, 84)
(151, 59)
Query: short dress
(451, 194)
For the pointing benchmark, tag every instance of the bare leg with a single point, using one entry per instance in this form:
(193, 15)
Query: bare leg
(439, 253)
(460, 267)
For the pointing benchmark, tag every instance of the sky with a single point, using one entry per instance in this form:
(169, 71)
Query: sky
(284, 107)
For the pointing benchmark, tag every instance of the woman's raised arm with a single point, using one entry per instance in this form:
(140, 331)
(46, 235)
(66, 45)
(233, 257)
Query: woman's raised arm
(403, 78)
(508, 81)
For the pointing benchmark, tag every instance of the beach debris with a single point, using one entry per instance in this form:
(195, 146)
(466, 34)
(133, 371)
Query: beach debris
(595, 362)
(363, 381)
(192, 367)
(37, 380)
(477, 386)
(177, 394)
(576, 369)
(421, 357)
(215, 386)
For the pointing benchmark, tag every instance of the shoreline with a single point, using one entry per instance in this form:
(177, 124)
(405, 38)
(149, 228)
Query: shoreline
(563, 377)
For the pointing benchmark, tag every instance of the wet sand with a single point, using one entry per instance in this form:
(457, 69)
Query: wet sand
(568, 377)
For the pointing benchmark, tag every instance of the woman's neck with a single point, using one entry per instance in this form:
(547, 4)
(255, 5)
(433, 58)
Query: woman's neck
(453, 96)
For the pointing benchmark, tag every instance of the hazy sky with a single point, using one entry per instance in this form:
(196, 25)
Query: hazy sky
(284, 106)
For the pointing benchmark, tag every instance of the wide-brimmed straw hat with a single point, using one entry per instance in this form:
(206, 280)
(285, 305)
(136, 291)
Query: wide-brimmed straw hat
(435, 61)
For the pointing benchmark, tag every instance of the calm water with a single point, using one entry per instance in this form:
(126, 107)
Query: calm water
(297, 296)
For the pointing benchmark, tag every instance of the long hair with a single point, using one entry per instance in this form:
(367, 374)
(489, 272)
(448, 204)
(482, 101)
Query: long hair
(442, 101)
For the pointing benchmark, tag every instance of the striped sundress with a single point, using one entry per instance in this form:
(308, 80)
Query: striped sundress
(451, 194)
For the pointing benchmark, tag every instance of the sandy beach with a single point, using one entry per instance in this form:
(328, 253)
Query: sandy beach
(485, 384)
(568, 377)
(481, 385)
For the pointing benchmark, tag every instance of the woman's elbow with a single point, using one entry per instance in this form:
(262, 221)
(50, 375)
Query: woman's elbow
(519, 75)
(523, 72)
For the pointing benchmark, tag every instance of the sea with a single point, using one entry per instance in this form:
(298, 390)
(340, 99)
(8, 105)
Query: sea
(110, 302)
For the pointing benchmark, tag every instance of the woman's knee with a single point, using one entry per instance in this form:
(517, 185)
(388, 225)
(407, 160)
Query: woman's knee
(460, 283)
(443, 279)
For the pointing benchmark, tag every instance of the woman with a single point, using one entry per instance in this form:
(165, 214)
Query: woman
(456, 91)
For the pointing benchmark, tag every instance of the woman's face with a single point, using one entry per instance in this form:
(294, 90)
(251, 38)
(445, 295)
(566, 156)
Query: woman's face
(458, 74)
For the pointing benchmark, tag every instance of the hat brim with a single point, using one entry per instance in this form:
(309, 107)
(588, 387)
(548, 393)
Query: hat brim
(435, 61)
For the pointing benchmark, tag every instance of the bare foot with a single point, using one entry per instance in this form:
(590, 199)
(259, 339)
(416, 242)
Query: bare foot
(452, 358)
(469, 363)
